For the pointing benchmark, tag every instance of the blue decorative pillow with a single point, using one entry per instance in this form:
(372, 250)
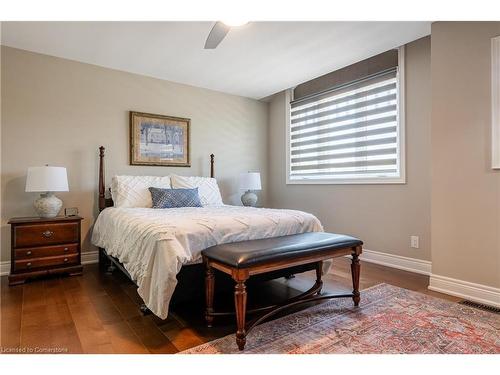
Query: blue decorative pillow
(174, 198)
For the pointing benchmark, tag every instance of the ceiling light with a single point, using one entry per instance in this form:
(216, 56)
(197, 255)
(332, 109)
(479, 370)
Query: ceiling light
(234, 22)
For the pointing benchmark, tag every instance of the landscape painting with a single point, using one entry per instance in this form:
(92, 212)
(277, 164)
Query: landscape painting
(159, 140)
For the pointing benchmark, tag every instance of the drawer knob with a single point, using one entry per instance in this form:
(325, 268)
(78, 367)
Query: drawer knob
(47, 233)
(65, 260)
(28, 264)
(66, 249)
(28, 253)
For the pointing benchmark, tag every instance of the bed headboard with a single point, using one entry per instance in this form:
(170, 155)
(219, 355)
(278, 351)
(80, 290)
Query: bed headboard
(108, 202)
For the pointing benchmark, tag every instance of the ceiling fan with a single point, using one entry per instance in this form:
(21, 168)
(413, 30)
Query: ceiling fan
(219, 31)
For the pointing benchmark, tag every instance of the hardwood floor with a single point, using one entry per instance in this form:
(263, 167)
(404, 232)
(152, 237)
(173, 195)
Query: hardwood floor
(98, 313)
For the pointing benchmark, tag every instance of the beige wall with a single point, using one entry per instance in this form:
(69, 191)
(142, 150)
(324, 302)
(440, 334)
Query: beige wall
(465, 191)
(384, 216)
(58, 112)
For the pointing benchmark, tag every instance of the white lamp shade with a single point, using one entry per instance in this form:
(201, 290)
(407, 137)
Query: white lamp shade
(250, 181)
(47, 178)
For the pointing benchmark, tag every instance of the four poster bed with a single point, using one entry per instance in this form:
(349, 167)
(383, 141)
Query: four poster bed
(160, 249)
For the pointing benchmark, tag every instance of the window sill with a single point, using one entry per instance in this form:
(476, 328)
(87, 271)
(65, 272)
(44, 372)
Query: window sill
(374, 181)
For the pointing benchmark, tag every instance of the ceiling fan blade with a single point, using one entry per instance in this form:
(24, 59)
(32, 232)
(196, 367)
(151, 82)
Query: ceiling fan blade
(216, 35)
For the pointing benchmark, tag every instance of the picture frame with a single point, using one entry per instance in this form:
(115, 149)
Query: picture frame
(159, 140)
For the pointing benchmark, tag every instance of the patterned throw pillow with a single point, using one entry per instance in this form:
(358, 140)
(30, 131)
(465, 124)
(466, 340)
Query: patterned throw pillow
(174, 198)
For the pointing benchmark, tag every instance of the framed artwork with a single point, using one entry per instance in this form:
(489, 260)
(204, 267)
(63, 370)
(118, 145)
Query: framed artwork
(159, 140)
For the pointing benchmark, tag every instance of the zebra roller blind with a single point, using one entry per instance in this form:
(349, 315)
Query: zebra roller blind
(349, 133)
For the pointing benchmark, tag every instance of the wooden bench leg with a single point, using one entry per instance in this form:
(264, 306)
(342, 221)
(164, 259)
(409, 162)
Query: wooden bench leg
(319, 272)
(240, 302)
(209, 294)
(355, 269)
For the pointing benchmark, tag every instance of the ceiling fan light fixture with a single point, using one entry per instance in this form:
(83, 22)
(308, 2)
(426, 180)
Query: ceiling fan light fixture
(220, 30)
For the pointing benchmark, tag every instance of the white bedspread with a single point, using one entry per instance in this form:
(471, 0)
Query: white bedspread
(153, 244)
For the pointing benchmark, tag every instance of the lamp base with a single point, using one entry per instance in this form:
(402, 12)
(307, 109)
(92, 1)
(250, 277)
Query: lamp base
(249, 199)
(48, 205)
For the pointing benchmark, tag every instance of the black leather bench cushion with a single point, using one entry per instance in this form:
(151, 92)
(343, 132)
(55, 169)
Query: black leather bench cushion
(254, 252)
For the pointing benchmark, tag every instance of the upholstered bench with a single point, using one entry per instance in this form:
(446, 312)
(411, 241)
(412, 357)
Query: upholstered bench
(241, 260)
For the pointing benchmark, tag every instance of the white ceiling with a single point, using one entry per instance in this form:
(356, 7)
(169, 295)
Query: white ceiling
(255, 60)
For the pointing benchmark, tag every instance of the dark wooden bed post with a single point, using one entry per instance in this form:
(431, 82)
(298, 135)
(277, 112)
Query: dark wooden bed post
(102, 188)
(104, 261)
(212, 174)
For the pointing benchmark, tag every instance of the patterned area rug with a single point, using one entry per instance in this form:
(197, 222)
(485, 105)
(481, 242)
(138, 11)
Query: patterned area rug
(389, 320)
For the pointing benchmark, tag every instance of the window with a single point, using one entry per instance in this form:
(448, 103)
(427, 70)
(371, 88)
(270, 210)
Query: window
(351, 134)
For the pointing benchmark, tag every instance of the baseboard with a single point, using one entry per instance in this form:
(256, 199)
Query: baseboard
(422, 267)
(471, 291)
(87, 258)
(4, 268)
(90, 257)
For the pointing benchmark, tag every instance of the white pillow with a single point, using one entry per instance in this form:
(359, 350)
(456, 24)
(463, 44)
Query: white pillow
(133, 191)
(208, 189)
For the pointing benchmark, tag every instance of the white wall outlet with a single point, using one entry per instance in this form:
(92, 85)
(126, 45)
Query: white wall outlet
(414, 241)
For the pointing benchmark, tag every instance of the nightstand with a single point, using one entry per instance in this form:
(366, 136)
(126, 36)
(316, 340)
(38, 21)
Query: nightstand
(41, 246)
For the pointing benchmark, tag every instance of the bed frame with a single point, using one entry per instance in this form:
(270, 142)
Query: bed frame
(191, 277)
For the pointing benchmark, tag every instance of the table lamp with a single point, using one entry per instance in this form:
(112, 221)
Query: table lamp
(249, 181)
(47, 180)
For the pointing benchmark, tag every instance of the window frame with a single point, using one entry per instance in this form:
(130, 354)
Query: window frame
(400, 79)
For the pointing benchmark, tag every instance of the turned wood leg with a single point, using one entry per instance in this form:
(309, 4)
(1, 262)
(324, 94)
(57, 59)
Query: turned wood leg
(355, 268)
(209, 295)
(240, 301)
(319, 273)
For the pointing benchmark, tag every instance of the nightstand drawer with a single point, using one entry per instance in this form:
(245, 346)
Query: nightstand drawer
(45, 234)
(29, 264)
(46, 251)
